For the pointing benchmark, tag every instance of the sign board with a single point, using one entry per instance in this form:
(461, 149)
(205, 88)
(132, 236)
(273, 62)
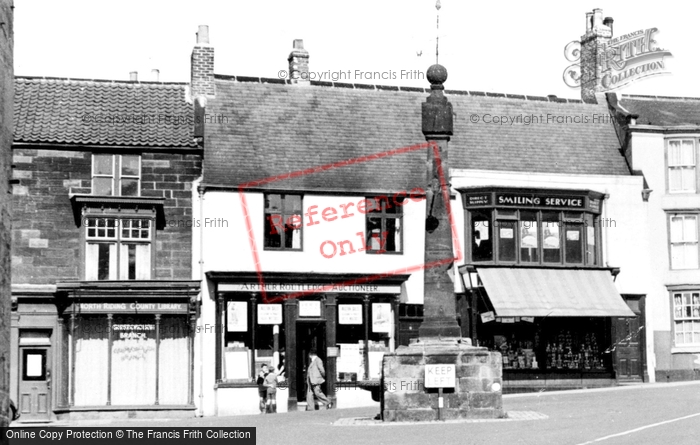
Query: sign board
(349, 314)
(475, 200)
(311, 308)
(540, 200)
(237, 316)
(488, 316)
(269, 314)
(130, 307)
(332, 351)
(317, 287)
(439, 376)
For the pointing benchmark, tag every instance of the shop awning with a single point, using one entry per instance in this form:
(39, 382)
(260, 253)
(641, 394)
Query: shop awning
(553, 292)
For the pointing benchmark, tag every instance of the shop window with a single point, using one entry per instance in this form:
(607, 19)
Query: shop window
(116, 175)
(130, 365)
(118, 248)
(529, 235)
(682, 166)
(534, 237)
(247, 346)
(684, 241)
(686, 314)
(283, 221)
(482, 235)
(384, 223)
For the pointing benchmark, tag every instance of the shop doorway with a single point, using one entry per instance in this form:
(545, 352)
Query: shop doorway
(310, 335)
(35, 383)
(628, 338)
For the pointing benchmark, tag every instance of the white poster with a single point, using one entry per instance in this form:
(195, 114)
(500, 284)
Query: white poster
(237, 316)
(381, 317)
(269, 314)
(349, 314)
(309, 308)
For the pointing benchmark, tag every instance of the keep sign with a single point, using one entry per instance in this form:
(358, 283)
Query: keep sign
(439, 376)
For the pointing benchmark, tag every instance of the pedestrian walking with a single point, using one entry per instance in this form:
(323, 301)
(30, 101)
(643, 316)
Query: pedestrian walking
(315, 376)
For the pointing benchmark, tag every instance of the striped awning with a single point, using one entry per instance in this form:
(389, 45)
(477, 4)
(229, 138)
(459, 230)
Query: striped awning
(553, 292)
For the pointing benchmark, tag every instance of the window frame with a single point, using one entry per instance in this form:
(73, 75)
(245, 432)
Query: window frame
(684, 215)
(681, 291)
(695, 166)
(383, 215)
(116, 175)
(118, 240)
(285, 216)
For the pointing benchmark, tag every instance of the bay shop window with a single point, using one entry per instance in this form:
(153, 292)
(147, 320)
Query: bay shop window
(533, 228)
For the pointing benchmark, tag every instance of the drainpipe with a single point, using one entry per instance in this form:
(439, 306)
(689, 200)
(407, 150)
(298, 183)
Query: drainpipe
(200, 190)
(605, 228)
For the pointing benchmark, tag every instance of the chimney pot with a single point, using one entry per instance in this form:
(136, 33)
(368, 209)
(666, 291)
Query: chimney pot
(609, 23)
(298, 44)
(134, 76)
(203, 34)
(155, 75)
(589, 21)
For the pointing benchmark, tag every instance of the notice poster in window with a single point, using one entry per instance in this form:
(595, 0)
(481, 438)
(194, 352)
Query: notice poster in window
(572, 235)
(35, 365)
(349, 314)
(269, 314)
(309, 308)
(506, 233)
(381, 317)
(237, 316)
(591, 235)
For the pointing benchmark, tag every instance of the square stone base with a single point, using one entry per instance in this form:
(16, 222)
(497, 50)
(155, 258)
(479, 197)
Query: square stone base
(478, 383)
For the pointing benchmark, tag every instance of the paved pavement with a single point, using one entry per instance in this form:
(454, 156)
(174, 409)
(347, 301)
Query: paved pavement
(639, 415)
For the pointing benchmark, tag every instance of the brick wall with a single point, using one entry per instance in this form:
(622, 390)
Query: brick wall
(6, 101)
(46, 241)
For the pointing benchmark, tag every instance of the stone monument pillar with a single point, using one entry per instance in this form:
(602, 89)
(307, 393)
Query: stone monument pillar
(441, 376)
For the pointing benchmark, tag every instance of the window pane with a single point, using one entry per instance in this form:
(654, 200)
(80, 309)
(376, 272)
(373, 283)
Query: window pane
(691, 256)
(393, 235)
(528, 237)
(482, 239)
(590, 239)
(273, 203)
(102, 186)
(106, 261)
(674, 153)
(690, 228)
(102, 165)
(551, 238)
(273, 230)
(374, 235)
(574, 243)
(130, 166)
(677, 252)
(506, 240)
(674, 179)
(688, 153)
(292, 204)
(676, 229)
(130, 187)
(688, 179)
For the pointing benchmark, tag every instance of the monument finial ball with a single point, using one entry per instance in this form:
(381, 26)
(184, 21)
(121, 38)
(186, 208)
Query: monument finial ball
(437, 74)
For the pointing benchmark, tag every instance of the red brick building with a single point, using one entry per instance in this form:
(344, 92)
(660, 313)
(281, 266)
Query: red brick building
(103, 301)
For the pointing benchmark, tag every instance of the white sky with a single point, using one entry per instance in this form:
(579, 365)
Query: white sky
(506, 47)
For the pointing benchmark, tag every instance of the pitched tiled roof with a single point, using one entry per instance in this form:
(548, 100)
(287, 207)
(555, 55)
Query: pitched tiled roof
(663, 110)
(98, 112)
(272, 128)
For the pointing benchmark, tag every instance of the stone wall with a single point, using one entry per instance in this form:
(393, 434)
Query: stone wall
(478, 382)
(46, 239)
(6, 103)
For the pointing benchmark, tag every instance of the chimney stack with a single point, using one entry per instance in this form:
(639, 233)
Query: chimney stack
(155, 75)
(202, 66)
(134, 76)
(299, 64)
(593, 42)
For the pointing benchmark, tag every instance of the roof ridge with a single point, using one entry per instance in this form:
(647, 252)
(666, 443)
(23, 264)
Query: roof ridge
(113, 81)
(366, 86)
(650, 97)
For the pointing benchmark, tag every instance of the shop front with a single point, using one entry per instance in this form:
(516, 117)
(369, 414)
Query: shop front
(124, 349)
(351, 323)
(538, 293)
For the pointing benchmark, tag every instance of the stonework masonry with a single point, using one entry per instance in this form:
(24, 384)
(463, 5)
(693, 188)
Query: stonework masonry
(6, 111)
(46, 238)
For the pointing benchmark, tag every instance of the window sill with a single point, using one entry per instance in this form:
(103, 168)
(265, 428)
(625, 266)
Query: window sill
(686, 349)
(236, 384)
